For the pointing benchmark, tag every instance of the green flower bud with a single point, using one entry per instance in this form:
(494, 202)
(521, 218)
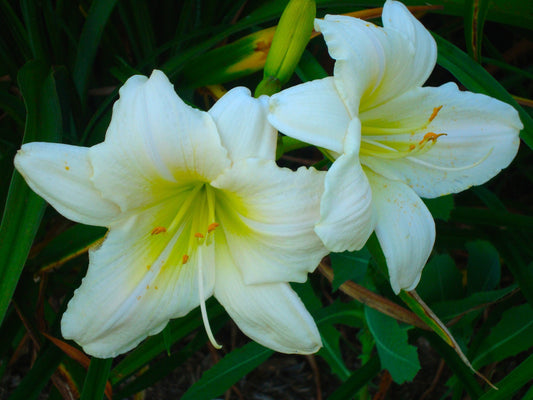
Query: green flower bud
(291, 37)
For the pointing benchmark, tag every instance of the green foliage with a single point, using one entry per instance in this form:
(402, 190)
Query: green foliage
(349, 266)
(61, 64)
(228, 371)
(396, 355)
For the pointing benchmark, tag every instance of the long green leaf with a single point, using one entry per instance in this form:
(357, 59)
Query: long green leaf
(36, 39)
(357, 380)
(477, 79)
(476, 12)
(24, 209)
(97, 18)
(513, 334)
(456, 364)
(509, 385)
(36, 379)
(155, 344)
(227, 371)
(94, 385)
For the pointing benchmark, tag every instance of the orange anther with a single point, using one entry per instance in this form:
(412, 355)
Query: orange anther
(212, 227)
(158, 229)
(431, 136)
(411, 147)
(184, 259)
(198, 235)
(67, 167)
(434, 113)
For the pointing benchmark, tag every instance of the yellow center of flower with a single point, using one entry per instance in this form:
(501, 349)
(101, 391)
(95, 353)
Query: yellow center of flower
(386, 142)
(193, 229)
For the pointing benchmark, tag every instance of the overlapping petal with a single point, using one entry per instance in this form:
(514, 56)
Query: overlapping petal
(346, 214)
(61, 174)
(272, 314)
(136, 282)
(312, 112)
(480, 138)
(396, 16)
(405, 230)
(374, 64)
(154, 138)
(242, 125)
(267, 214)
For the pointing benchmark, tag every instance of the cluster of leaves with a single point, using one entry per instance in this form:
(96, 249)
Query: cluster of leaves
(61, 64)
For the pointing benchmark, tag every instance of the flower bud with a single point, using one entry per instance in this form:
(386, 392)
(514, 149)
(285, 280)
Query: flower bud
(291, 37)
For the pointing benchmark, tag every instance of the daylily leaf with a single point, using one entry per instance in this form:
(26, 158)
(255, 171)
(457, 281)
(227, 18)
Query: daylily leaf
(476, 12)
(357, 380)
(448, 309)
(97, 18)
(512, 335)
(24, 209)
(96, 380)
(520, 376)
(227, 371)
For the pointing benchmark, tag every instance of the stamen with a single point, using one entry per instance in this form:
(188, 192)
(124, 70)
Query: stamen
(202, 302)
(212, 227)
(198, 235)
(434, 113)
(184, 259)
(431, 136)
(158, 229)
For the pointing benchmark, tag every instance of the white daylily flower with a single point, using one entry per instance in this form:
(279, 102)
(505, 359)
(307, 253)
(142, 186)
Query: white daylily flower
(392, 139)
(195, 206)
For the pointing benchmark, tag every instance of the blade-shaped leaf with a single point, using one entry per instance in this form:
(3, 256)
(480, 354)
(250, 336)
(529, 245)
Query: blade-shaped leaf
(227, 371)
(513, 334)
(24, 209)
(96, 380)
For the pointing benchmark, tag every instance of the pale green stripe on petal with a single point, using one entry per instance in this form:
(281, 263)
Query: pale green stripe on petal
(137, 281)
(480, 137)
(268, 214)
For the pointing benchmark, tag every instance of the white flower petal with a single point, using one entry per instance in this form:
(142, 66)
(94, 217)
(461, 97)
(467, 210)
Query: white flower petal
(405, 230)
(312, 112)
(397, 16)
(136, 282)
(154, 138)
(267, 214)
(243, 126)
(481, 138)
(61, 174)
(346, 215)
(272, 314)
(375, 64)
